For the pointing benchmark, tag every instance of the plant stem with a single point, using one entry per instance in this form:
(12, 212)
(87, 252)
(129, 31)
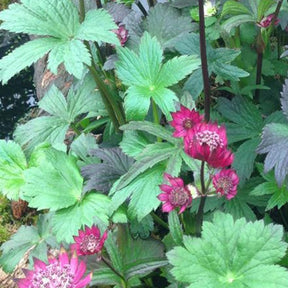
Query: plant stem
(204, 64)
(98, 4)
(160, 221)
(123, 280)
(151, 3)
(205, 74)
(82, 10)
(155, 116)
(141, 7)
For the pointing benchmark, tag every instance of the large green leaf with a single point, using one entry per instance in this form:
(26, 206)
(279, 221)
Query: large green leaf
(167, 24)
(148, 77)
(236, 21)
(59, 21)
(143, 189)
(12, 165)
(232, 7)
(28, 239)
(24, 56)
(231, 254)
(93, 207)
(53, 184)
(64, 111)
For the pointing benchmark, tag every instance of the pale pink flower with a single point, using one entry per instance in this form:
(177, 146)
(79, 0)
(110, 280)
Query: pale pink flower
(225, 182)
(208, 142)
(89, 241)
(60, 272)
(184, 120)
(174, 196)
(266, 21)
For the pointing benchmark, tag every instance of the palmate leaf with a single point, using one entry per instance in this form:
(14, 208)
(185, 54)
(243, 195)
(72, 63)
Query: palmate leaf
(92, 208)
(12, 165)
(236, 21)
(52, 129)
(60, 21)
(148, 77)
(61, 182)
(101, 176)
(167, 24)
(231, 254)
(27, 239)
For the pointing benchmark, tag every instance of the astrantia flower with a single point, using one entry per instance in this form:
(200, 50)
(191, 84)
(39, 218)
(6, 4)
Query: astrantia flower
(89, 241)
(208, 142)
(176, 195)
(266, 21)
(62, 273)
(225, 182)
(184, 120)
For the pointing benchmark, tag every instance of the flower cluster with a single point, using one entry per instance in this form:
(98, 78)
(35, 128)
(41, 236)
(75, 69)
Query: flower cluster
(266, 21)
(122, 34)
(60, 272)
(89, 241)
(206, 142)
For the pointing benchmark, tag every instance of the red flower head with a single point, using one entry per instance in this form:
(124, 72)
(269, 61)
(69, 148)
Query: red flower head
(176, 195)
(208, 142)
(225, 183)
(60, 272)
(266, 21)
(89, 242)
(184, 120)
(122, 34)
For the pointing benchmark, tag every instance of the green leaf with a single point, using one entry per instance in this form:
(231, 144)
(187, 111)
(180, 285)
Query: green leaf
(92, 208)
(47, 17)
(24, 56)
(236, 21)
(232, 7)
(244, 253)
(27, 240)
(151, 155)
(175, 228)
(152, 128)
(142, 228)
(274, 143)
(60, 185)
(167, 24)
(263, 8)
(148, 77)
(143, 189)
(97, 26)
(245, 115)
(244, 159)
(12, 165)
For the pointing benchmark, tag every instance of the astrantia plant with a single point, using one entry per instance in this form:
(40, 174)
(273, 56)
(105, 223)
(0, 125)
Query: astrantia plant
(142, 158)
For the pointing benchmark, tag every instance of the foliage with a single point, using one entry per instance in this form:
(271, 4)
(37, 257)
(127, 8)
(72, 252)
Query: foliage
(149, 138)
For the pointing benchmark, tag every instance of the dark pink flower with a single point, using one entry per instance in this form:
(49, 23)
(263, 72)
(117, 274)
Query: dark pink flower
(266, 21)
(184, 120)
(89, 241)
(60, 272)
(176, 195)
(208, 142)
(122, 34)
(225, 183)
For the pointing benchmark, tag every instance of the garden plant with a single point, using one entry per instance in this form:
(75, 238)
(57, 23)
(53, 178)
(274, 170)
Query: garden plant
(164, 161)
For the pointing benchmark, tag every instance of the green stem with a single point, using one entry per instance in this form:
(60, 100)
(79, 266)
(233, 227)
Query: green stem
(155, 116)
(123, 280)
(82, 10)
(105, 96)
(159, 221)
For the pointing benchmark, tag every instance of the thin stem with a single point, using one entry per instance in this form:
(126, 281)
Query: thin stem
(275, 15)
(82, 10)
(155, 116)
(159, 221)
(205, 73)
(106, 261)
